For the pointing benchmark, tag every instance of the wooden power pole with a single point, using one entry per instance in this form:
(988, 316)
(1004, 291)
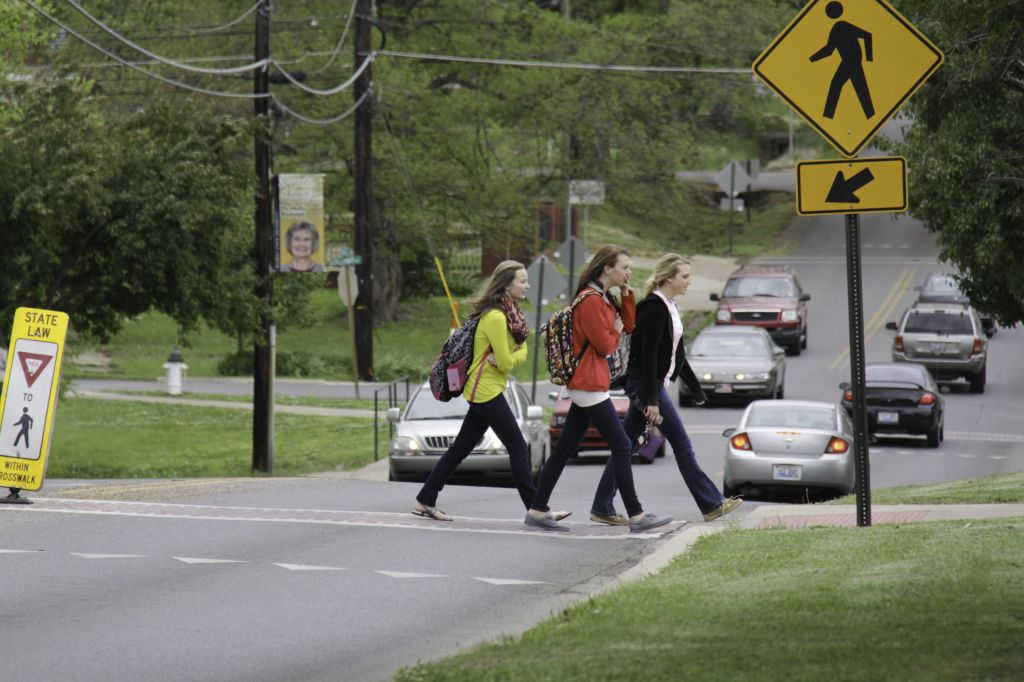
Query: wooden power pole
(363, 200)
(263, 351)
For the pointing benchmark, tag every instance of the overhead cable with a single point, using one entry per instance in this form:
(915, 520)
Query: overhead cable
(163, 60)
(324, 121)
(560, 65)
(341, 40)
(367, 60)
(230, 23)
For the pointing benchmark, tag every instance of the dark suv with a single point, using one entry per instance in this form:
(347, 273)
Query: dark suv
(939, 288)
(769, 297)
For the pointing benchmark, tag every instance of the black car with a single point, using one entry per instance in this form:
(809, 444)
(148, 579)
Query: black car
(939, 288)
(902, 398)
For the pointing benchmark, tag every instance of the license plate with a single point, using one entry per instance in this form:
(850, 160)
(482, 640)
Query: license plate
(888, 418)
(724, 388)
(938, 347)
(786, 472)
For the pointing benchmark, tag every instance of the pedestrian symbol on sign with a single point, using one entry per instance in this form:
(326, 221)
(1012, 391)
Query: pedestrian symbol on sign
(845, 38)
(26, 424)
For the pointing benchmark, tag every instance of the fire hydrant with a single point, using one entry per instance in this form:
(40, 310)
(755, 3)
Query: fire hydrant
(175, 367)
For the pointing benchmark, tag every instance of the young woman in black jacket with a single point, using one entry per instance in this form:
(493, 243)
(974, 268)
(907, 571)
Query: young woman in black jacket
(656, 358)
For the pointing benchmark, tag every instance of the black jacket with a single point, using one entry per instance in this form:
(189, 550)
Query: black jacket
(650, 350)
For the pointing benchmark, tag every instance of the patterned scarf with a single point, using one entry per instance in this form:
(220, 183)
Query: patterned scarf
(517, 323)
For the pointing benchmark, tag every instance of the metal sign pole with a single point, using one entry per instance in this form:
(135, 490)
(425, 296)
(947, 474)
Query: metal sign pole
(860, 417)
(536, 326)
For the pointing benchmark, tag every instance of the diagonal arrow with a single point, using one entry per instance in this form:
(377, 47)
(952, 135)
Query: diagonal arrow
(843, 189)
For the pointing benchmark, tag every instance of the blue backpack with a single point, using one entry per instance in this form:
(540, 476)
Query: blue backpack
(448, 373)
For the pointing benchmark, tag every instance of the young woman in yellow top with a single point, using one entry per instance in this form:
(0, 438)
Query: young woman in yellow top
(498, 347)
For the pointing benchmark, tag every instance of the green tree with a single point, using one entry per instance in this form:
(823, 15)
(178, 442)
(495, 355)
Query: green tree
(965, 150)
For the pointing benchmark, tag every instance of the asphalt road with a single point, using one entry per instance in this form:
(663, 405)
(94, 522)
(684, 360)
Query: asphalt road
(326, 579)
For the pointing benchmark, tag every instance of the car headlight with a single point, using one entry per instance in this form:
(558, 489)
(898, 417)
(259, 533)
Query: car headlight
(753, 376)
(558, 420)
(707, 376)
(491, 445)
(723, 315)
(404, 445)
(789, 316)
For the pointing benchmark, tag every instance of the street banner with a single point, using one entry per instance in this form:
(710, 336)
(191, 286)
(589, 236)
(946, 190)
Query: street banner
(29, 398)
(300, 222)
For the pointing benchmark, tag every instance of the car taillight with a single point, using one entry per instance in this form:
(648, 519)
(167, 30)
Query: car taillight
(976, 349)
(837, 446)
(848, 395)
(740, 442)
(926, 399)
(898, 344)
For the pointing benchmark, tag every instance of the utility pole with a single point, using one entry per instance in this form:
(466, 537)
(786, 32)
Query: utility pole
(363, 200)
(263, 350)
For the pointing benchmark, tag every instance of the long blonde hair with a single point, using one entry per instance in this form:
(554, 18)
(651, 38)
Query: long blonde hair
(664, 269)
(494, 289)
(606, 256)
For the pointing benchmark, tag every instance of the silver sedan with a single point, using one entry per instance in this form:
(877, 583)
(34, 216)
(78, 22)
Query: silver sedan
(795, 445)
(736, 362)
(425, 429)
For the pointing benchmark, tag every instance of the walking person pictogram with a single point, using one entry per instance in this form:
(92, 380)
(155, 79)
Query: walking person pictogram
(845, 38)
(26, 423)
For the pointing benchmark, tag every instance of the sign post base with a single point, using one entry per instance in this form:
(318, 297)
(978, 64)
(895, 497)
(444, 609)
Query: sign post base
(15, 498)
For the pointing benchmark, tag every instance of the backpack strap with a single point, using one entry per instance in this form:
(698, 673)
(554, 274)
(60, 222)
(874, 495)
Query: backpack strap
(479, 373)
(586, 342)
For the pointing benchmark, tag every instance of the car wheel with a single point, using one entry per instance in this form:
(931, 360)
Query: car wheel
(978, 381)
(934, 436)
(780, 392)
(803, 342)
(728, 490)
(685, 400)
(795, 349)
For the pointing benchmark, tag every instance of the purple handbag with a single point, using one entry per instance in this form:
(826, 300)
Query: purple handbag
(649, 450)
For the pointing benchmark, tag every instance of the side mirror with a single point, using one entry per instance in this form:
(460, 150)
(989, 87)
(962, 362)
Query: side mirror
(778, 350)
(891, 326)
(534, 412)
(805, 297)
(728, 432)
(713, 297)
(392, 414)
(844, 385)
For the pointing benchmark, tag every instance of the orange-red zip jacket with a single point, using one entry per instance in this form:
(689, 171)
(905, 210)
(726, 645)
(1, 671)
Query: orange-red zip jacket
(593, 320)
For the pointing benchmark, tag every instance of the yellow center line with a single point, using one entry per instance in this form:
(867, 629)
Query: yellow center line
(877, 320)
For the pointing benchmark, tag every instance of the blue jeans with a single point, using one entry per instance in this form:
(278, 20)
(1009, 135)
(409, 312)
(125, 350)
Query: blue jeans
(494, 413)
(579, 419)
(704, 491)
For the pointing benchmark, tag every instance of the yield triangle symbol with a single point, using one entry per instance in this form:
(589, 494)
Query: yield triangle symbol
(33, 364)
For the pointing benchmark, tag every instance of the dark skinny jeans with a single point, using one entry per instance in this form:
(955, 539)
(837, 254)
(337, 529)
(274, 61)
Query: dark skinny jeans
(494, 413)
(579, 419)
(704, 491)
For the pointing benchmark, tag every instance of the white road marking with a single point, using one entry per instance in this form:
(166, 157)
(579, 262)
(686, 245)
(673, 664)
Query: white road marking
(19, 551)
(301, 567)
(107, 556)
(967, 456)
(199, 560)
(402, 575)
(997, 457)
(503, 581)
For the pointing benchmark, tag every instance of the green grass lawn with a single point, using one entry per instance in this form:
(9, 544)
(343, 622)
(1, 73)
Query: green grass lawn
(927, 601)
(106, 439)
(999, 488)
(304, 401)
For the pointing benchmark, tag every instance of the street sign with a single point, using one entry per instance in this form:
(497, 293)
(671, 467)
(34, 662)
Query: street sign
(732, 179)
(586, 192)
(546, 282)
(846, 67)
(29, 398)
(572, 254)
(869, 185)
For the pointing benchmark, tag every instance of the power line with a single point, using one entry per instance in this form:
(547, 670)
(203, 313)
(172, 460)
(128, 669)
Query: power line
(337, 46)
(329, 91)
(324, 121)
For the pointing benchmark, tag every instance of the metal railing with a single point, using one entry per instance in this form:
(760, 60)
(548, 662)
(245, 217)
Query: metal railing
(392, 390)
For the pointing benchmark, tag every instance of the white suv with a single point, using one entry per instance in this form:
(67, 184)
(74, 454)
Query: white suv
(947, 338)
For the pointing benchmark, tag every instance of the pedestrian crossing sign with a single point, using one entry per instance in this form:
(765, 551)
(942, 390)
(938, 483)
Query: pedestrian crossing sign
(28, 401)
(846, 66)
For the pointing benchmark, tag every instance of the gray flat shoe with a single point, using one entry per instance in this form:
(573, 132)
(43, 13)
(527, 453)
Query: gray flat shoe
(546, 523)
(648, 522)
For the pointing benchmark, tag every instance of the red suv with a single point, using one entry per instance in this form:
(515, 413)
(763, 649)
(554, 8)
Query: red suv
(766, 296)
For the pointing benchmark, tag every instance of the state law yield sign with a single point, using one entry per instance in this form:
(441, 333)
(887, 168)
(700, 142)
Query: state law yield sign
(864, 185)
(29, 398)
(846, 66)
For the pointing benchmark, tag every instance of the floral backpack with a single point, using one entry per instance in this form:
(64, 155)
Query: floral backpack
(448, 373)
(558, 355)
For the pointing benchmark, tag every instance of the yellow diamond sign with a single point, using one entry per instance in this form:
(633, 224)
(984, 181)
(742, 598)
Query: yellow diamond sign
(847, 66)
(863, 185)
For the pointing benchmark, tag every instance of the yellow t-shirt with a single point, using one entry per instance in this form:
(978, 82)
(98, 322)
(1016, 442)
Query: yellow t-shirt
(493, 339)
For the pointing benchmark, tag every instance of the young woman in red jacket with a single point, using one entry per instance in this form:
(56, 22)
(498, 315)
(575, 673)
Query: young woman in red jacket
(596, 328)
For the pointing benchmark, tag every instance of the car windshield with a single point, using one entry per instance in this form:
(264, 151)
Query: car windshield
(938, 323)
(941, 286)
(424, 406)
(910, 374)
(741, 287)
(728, 345)
(779, 416)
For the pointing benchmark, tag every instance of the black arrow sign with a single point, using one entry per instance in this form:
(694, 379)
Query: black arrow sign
(843, 189)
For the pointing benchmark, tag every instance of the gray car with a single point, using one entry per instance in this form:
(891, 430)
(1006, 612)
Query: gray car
(736, 362)
(427, 426)
(940, 288)
(790, 445)
(947, 338)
